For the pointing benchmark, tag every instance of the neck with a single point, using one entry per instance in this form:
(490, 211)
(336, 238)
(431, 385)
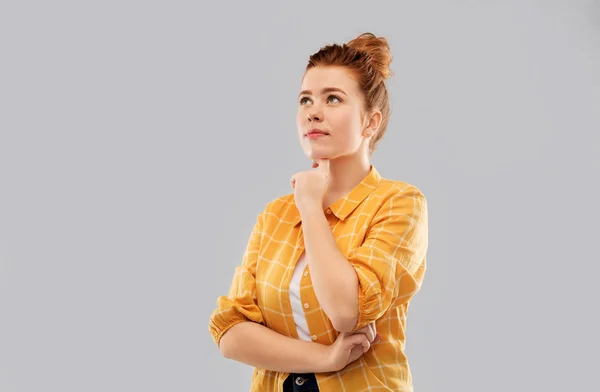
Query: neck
(345, 173)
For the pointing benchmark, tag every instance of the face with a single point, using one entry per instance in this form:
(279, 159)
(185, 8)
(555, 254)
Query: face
(331, 104)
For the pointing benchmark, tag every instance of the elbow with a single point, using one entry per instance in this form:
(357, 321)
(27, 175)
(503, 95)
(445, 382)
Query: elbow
(345, 323)
(346, 318)
(227, 345)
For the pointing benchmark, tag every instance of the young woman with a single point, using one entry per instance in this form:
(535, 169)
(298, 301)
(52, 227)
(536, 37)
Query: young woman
(320, 300)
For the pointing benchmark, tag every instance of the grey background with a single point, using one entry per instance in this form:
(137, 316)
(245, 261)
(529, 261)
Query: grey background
(139, 140)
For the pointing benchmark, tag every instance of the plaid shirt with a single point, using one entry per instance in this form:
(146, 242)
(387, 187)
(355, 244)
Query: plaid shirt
(381, 227)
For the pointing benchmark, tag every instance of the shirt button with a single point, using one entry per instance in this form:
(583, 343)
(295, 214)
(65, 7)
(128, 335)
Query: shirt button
(328, 211)
(300, 381)
(305, 273)
(314, 337)
(306, 306)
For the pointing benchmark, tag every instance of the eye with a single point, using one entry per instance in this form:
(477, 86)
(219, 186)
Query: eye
(303, 99)
(334, 96)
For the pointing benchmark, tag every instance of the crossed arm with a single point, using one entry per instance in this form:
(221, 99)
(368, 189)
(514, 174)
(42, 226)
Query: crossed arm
(354, 291)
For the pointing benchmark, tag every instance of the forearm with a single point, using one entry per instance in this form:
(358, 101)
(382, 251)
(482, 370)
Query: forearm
(333, 277)
(256, 345)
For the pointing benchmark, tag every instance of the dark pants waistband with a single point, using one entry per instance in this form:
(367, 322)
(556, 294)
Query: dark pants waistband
(301, 382)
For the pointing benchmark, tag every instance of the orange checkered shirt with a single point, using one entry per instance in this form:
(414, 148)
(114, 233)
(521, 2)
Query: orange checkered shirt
(381, 226)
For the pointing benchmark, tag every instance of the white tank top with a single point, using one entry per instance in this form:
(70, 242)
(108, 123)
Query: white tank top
(297, 308)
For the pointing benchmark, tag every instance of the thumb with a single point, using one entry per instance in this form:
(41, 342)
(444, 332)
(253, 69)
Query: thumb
(322, 164)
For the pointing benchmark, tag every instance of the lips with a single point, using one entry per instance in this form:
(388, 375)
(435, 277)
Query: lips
(316, 133)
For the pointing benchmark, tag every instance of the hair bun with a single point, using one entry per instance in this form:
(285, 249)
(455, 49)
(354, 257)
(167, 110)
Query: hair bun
(378, 50)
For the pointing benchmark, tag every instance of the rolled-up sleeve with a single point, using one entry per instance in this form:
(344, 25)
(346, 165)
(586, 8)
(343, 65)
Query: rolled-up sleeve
(391, 262)
(239, 304)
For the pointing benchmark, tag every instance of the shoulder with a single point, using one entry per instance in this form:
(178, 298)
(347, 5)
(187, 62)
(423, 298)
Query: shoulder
(398, 190)
(401, 202)
(278, 208)
(279, 204)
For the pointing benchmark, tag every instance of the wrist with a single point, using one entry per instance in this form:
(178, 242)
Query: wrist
(325, 359)
(309, 208)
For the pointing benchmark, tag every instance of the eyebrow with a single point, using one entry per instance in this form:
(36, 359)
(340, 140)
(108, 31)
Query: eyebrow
(323, 91)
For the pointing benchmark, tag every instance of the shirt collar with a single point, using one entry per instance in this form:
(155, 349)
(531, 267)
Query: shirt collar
(345, 205)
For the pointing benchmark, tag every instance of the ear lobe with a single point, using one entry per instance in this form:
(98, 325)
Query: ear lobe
(372, 124)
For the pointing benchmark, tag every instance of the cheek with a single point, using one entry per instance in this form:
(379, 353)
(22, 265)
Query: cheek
(348, 126)
(299, 123)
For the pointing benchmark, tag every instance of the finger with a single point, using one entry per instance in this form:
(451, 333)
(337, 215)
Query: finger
(372, 332)
(366, 344)
(368, 331)
(377, 339)
(361, 339)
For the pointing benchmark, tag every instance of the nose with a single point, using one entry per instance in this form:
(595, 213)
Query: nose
(315, 116)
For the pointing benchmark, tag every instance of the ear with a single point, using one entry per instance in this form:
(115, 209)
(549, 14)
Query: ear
(372, 123)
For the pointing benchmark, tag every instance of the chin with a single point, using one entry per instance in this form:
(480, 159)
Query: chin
(319, 154)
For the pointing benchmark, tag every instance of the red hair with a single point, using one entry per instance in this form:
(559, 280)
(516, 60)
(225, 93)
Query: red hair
(368, 58)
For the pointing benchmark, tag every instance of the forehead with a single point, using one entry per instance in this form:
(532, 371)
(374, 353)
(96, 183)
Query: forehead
(319, 77)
